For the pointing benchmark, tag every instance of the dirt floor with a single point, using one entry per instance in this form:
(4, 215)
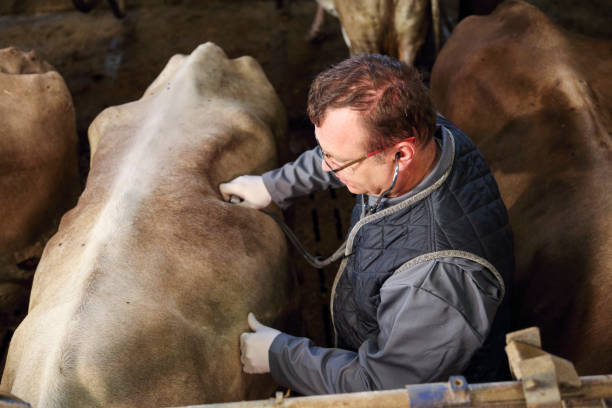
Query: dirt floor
(107, 62)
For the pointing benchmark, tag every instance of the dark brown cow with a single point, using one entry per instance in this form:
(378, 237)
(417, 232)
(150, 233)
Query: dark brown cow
(38, 172)
(140, 298)
(538, 102)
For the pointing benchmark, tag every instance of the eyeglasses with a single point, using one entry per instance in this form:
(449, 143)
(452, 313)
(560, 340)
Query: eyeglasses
(352, 162)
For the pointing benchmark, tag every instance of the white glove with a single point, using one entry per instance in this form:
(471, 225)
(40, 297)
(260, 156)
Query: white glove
(250, 189)
(254, 347)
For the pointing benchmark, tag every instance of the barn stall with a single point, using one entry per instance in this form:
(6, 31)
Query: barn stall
(107, 61)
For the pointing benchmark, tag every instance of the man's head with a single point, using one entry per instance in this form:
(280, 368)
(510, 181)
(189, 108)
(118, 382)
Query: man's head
(372, 103)
(393, 102)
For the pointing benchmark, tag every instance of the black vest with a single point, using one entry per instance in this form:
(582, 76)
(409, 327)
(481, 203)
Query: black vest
(461, 214)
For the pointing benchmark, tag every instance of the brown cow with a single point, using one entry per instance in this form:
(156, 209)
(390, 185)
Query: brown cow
(538, 102)
(140, 298)
(39, 178)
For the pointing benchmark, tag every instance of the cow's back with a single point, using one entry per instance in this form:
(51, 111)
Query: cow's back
(538, 103)
(140, 298)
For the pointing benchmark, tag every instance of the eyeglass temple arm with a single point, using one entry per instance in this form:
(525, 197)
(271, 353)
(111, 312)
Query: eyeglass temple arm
(408, 139)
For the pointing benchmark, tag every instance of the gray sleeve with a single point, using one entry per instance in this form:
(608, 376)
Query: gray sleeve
(298, 178)
(432, 318)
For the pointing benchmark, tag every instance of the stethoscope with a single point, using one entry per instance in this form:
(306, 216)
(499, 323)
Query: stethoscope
(373, 209)
(318, 261)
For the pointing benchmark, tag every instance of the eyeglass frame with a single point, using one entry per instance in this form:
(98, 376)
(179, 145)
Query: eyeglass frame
(355, 161)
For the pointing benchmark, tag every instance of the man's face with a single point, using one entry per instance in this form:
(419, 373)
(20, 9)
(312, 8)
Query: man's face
(343, 138)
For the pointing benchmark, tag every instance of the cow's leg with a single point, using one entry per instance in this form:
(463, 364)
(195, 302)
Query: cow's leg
(411, 23)
(317, 23)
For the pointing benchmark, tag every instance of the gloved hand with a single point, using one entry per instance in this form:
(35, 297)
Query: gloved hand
(254, 347)
(250, 189)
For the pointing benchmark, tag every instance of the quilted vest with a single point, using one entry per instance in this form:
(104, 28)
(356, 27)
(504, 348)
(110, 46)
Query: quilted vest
(460, 215)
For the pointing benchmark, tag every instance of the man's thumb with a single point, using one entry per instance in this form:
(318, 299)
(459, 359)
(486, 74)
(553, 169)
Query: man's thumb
(226, 190)
(253, 323)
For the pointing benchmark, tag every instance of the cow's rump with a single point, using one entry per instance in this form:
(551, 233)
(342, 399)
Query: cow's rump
(38, 172)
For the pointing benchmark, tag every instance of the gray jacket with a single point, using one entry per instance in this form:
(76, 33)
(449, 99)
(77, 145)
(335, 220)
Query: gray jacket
(410, 322)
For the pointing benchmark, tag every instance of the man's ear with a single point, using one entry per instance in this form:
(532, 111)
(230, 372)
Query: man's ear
(405, 151)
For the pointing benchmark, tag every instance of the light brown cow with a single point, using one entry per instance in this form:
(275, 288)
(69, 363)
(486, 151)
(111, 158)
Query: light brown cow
(395, 28)
(141, 296)
(38, 172)
(398, 28)
(538, 102)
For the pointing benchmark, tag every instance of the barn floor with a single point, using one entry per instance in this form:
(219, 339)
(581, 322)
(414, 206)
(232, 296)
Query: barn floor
(106, 62)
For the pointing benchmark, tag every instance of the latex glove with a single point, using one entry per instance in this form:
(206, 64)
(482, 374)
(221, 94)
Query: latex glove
(250, 189)
(254, 347)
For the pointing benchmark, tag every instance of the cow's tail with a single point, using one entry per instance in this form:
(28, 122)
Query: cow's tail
(435, 21)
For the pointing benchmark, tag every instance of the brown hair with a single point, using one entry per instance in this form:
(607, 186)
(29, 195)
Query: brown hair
(390, 94)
